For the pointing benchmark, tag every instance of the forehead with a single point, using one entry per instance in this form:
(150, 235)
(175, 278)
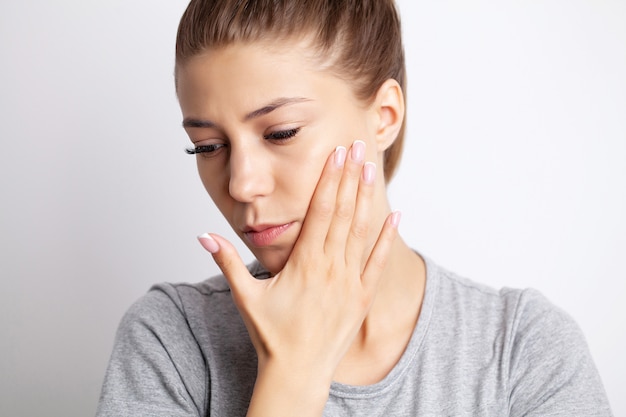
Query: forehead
(249, 74)
(270, 51)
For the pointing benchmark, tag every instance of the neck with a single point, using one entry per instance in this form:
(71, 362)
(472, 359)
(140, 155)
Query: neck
(389, 325)
(401, 289)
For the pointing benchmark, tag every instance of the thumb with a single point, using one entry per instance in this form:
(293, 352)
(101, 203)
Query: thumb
(228, 260)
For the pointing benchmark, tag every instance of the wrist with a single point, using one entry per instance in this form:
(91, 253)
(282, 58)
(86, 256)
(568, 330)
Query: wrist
(282, 389)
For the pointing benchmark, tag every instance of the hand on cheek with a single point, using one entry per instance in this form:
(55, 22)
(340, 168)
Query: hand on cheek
(306, 317)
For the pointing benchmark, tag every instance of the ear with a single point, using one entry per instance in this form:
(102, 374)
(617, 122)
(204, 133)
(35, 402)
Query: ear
(388, 109)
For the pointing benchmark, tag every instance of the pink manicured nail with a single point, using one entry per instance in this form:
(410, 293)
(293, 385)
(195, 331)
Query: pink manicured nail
(358, 151)
(369, 172)
(208, 243)
(340, 156)
(395, 219)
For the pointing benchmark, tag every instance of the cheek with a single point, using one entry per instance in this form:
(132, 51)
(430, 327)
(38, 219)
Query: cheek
(298, 174)
(215, 183)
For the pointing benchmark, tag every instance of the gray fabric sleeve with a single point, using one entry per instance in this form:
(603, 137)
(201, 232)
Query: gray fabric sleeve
(551, 369)
(156, 368)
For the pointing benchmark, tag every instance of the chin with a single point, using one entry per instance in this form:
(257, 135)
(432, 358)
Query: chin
(273, 260)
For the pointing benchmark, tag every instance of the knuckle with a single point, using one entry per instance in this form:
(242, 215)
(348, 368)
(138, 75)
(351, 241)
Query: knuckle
(323, 209)
(360, 230)
(225, 264)
(344, 210)
(366, 190)
(366, 300)
(353, 170)
(305, 262)
(380, 261)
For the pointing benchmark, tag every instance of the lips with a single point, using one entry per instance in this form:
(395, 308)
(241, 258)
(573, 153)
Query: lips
(264, 235)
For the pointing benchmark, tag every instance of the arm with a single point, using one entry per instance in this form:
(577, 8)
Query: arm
(551, 371)
(156, 367)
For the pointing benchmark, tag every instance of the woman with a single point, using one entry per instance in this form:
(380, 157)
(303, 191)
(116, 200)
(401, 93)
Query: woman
(295, 111)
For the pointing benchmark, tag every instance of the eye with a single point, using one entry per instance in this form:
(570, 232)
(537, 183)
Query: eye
(207, 150)
(282, 135)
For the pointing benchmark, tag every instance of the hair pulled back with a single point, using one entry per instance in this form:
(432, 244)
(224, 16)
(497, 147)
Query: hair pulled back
(360, 38)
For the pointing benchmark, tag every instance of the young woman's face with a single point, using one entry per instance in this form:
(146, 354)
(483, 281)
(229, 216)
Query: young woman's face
(267, 119)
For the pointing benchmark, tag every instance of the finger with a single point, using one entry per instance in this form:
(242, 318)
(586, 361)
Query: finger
(346, 200)
(380, 253)
(228, 260)
(322, 206)
(358, 237)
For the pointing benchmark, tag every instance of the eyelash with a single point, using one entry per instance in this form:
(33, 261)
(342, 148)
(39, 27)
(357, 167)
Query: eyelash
(282, 135)
(279, 136)
(204, 149)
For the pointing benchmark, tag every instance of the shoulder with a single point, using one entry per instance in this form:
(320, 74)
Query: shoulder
(164, 301)
(535, 317)
(165, 345)
(551, 370)
(456, 296)
(167, 305)
(156, 367)
(521, 316)
(544, 357)
(187, 308)
(518, 307)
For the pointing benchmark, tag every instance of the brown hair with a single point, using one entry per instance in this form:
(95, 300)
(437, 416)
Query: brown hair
(362, 37)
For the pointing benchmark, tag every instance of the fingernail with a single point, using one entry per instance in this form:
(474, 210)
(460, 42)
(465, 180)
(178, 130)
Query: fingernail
(340, 156)
(369, 172)
(395, 219)
(208, 243)
(358, 151)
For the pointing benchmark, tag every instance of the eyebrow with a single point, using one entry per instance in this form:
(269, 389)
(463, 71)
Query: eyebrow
(280, 102)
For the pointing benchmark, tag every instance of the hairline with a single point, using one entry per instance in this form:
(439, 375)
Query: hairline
(322, 57)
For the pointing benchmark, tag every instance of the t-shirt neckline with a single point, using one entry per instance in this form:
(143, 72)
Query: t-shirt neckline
(340, 390)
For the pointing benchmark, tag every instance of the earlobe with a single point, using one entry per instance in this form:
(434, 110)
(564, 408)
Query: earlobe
(389, 106)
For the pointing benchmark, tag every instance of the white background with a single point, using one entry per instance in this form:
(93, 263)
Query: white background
(514, 172)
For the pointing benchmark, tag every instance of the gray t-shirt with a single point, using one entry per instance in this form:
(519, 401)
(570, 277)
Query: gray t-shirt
(183, 350)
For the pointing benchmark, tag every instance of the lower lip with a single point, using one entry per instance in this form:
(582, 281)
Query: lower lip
(265, 237)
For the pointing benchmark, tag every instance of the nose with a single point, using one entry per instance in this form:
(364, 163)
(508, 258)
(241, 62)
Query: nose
(250, 174)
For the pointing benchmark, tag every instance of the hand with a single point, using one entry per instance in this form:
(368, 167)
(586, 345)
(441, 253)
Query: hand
(303, 320)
